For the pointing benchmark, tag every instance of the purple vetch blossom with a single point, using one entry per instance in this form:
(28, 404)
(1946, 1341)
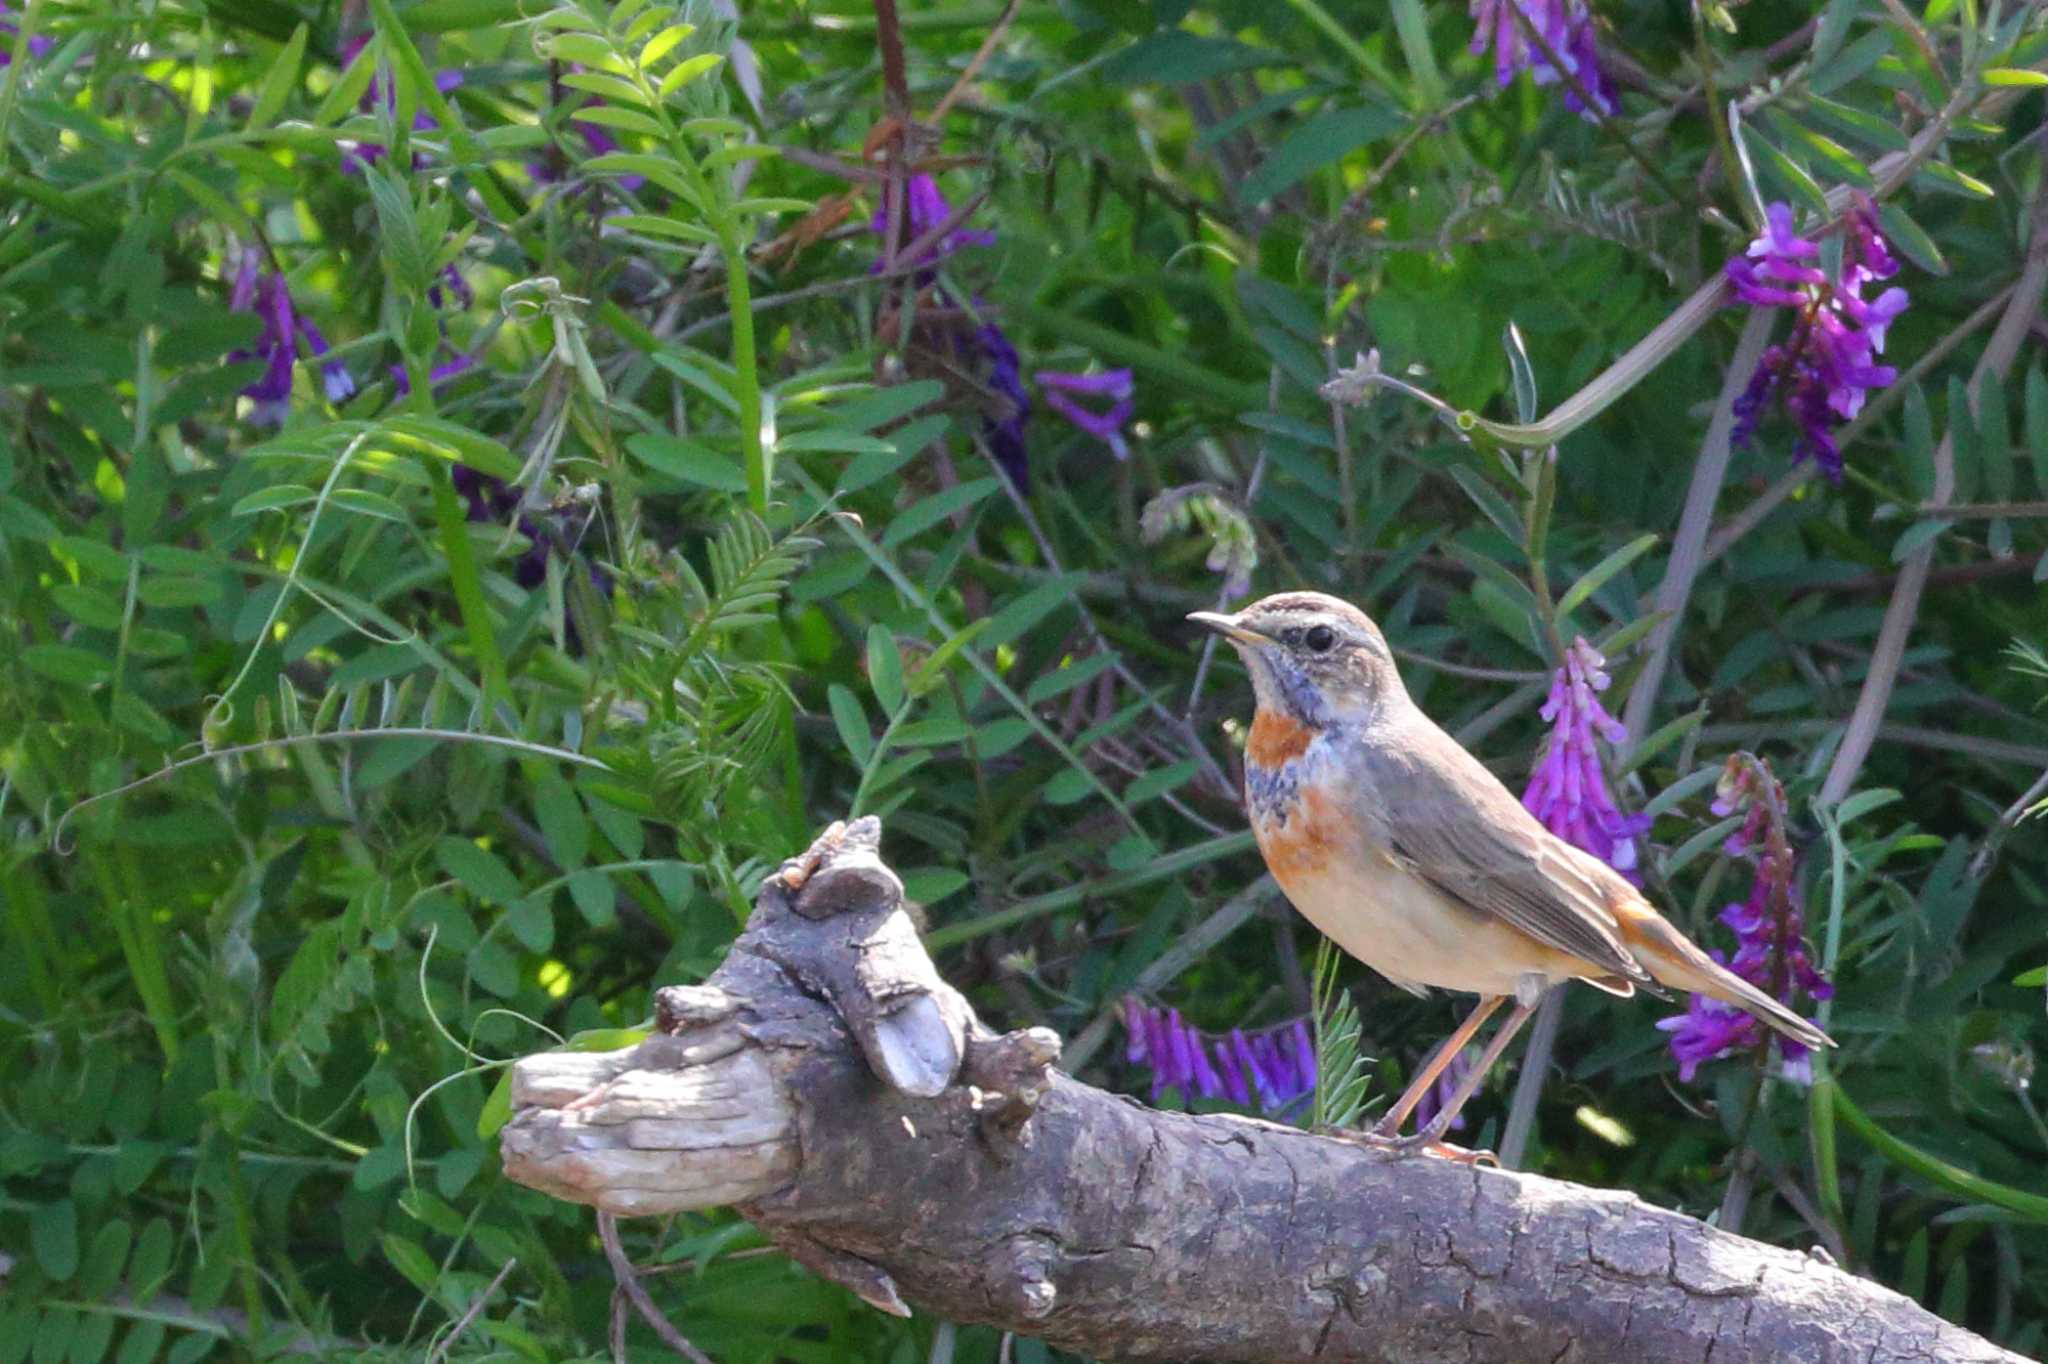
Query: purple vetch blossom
(263, 292)
(1771, 951)
(1273, 1070)
(38, 46)
(1107, 425)
(1568, 790)
(1437, 1095)
(925, 209)
(549, 530)
(1004, 429)
(1567, 29)
(380, 97)
(986, 349)
(451, 290)
(1825, 370)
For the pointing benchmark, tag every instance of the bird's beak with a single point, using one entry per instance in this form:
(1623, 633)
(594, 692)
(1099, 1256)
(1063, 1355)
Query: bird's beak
(1227, 627)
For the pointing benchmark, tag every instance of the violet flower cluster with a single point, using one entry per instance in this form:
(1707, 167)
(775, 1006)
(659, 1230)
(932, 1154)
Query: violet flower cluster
(1567, 30)
(988, 350)
(263, 292)
(547, 530)
(1825, 370)
(1568, 790)
(1274, 1069)
(38, 46)
(380, 97)
(1445, 1089)
(1771, 951)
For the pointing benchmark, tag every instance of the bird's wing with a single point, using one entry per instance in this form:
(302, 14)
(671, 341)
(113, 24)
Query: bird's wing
(1464, 833)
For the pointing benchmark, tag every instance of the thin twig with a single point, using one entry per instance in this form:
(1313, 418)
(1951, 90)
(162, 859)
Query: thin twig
(1997, 361)
(974, 63)
(1709, 471)
(1994, 837)
(628, 1276)
(1251, 493)
(440, 1351)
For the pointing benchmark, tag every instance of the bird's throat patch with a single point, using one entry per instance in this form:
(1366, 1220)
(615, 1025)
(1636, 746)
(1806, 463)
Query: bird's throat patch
(1276, 740)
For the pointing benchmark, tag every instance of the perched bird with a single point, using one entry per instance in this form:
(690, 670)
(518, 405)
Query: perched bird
(1403, 849)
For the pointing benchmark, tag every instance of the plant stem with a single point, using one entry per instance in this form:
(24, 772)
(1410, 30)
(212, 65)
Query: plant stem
(745, 364)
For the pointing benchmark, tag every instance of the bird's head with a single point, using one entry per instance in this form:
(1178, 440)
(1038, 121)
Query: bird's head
(1312, 657)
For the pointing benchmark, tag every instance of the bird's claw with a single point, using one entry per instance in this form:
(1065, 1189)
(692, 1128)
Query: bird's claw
(1401, 1144)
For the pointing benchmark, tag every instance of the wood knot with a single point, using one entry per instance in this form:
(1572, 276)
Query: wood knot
(680, 1008)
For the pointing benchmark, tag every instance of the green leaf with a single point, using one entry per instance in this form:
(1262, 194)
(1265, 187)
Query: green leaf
(1919, 533)
(1178, 57)
(67, 663)
(2007, 75)
(1598, 575)
(53, 1234)
(885, 668)
(663, 43)
(398, 226)
(923, 515)
(274, 498)
(415, 1264)
(592, 892)
(1911, 239)
(532, 923)
(1326, 138)
(2034, 979)
(497, 1109)
(446, 440)
(852, 723)
(104, 1259)
(689, 462)
(2035, 424)
(562, 822)
(278, 82)
(689, 70)
(481, 872)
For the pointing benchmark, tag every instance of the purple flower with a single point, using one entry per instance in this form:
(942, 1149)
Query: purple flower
(381, 98)
(1769, 929)
(1568, 790)
(1003, 426)
(38, 46)
(1273, 1070)
(1567, 29)
(924, 210)
(263, 292)
(1107, 425)
(1825, 370)
(1445, 1088)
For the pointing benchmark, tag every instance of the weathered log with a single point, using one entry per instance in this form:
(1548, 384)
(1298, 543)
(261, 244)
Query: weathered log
(829, 1084)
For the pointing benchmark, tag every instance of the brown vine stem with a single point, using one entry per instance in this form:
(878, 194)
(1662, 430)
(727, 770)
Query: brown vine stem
(975, 63)
(1688, 547)
(1997, 361)
(628, 1276)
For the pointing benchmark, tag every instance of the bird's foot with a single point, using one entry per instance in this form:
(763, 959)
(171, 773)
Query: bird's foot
(1426, 1142)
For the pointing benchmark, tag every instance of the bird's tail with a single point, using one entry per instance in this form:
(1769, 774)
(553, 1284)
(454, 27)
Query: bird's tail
(1672, 959)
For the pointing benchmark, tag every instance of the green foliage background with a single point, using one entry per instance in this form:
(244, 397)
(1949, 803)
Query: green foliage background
(252, 1010)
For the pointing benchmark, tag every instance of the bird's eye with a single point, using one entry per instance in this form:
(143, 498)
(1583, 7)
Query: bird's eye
(1320, 639)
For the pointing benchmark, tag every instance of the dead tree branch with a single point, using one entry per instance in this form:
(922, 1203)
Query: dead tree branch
(829, 1084)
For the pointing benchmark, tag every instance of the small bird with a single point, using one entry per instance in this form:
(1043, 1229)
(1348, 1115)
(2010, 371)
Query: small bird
(1402, 848)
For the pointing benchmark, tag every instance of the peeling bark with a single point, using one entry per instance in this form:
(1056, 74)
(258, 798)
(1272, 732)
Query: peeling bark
(829, 1084)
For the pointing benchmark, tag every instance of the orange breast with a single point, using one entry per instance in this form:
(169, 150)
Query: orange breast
(1300, 843)
(1276, 739)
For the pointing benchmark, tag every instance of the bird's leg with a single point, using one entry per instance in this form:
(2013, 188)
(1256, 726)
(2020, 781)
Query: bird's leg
(1432, 1136)
(1390, 1125)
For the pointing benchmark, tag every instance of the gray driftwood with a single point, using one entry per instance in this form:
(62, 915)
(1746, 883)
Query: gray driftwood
(830, 1085)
